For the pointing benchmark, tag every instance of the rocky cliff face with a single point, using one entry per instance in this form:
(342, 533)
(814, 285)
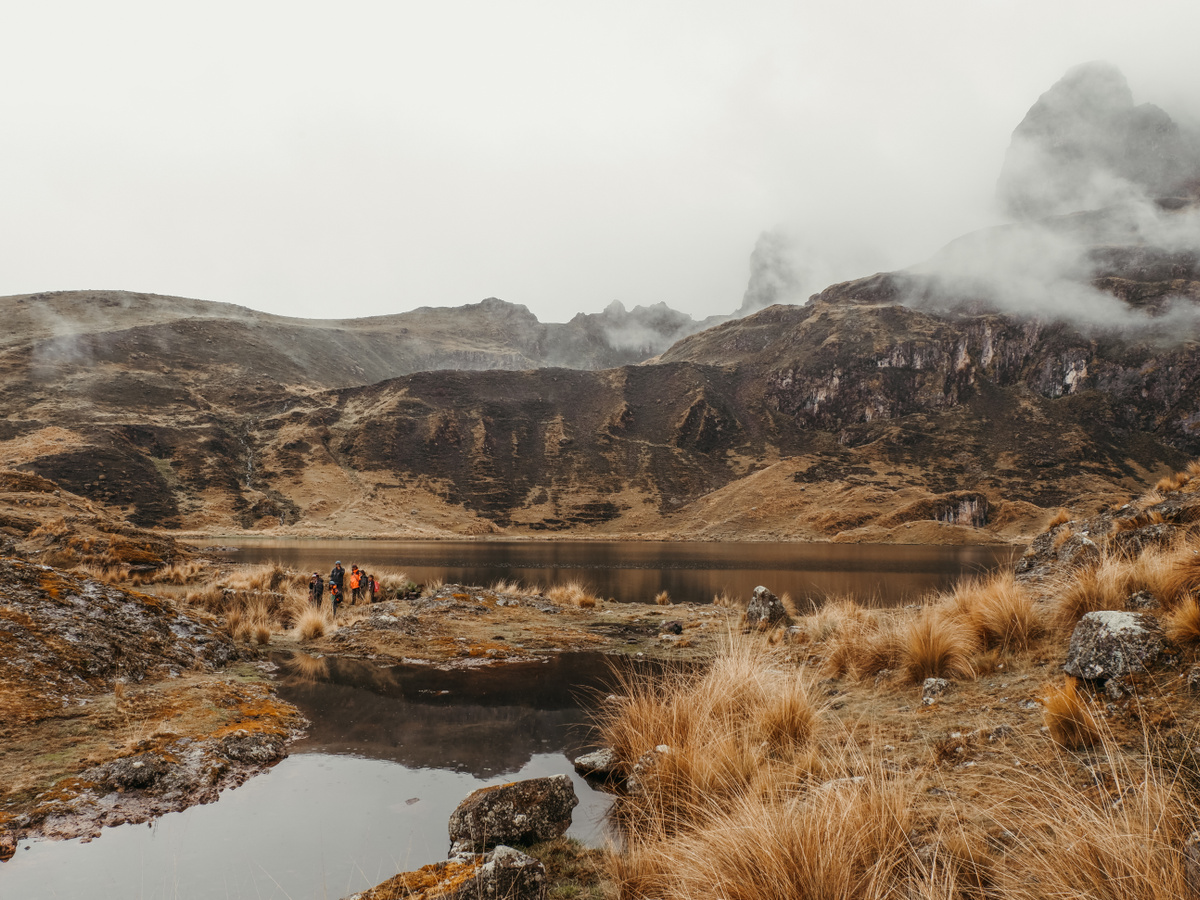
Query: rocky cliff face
(861, 415)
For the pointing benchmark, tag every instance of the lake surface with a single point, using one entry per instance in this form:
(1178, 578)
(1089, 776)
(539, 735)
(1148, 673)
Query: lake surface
(887, 574)
(390, 753)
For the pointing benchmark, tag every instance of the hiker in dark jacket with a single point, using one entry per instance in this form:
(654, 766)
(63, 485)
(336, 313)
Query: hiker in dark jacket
(337, 576)
(316, 588)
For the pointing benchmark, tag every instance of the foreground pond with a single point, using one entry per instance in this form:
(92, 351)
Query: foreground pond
(636, 571)
(368, 793)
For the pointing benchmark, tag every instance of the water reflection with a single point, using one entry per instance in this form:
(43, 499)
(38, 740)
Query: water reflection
(484, 722)
(390, 753)
(636, 571)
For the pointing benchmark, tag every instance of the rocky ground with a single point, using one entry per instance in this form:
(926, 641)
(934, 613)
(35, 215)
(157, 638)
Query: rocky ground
(115, 706)
(458, 626)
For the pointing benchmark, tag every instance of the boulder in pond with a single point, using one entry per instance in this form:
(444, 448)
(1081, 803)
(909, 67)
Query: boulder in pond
(520, 812)
(765, 609)
(602, 763)
(1113, 643)
(503, 873)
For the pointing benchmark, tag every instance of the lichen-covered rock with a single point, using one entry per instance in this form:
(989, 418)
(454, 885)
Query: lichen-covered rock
(1142, 601)
(933, 688)
(765, 609)
(602, 763)
(131, 772)
(1111, 643)
(502, 874)
(521, 812)
(254, 747)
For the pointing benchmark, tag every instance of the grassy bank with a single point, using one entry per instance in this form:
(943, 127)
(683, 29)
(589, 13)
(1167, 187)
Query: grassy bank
(814, 760)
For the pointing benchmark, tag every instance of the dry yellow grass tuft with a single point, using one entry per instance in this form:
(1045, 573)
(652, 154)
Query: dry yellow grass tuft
(726, 600)
(1102, 584)
(662, 598)
(935, 645)
(998, 610)
(178, 574)
(1068, 717)
(1183, 622)
(721, 731)
(1060, 518)
(573, 593)
(313, 624)
(506, 588)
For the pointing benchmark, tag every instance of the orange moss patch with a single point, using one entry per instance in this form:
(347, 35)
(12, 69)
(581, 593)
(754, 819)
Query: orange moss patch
(435, 879)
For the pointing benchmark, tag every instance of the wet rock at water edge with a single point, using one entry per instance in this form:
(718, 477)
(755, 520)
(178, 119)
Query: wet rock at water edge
(765, 609)
(131, 773)
(503, 874)
(8, 846)
(248, 747)
(521, 812)
(1111, 643)
(602, 763)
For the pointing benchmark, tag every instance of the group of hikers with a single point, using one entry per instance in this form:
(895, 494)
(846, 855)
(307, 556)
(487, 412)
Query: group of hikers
(362, 586)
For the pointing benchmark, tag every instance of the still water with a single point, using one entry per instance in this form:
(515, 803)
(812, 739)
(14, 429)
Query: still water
(637, 570)
(368, 793)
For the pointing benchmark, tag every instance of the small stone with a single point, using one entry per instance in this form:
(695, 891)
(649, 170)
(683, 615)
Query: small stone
(1119, 688)
(1000, 733)
(1141, 601)
(934, 688)
(1193, 679)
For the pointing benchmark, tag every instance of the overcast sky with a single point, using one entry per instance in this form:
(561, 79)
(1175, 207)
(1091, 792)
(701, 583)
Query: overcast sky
(360, 157)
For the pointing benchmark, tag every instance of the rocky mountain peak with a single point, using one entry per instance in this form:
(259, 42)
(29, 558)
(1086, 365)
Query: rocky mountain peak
(1085, 145)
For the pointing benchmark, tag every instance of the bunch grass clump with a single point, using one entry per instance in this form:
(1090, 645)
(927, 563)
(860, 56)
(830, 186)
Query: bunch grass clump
(313, 623)
(1183, 622)
(998, 610)
(572, 593)
(936, 645)
(1069, 717)
(712, 735)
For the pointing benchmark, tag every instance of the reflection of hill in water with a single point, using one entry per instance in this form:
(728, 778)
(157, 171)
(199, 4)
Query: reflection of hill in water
(484, 721)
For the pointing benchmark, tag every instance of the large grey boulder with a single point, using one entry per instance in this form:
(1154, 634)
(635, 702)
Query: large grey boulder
(765, 609)
(520, 812)
(502, 874)
(1112, 643)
